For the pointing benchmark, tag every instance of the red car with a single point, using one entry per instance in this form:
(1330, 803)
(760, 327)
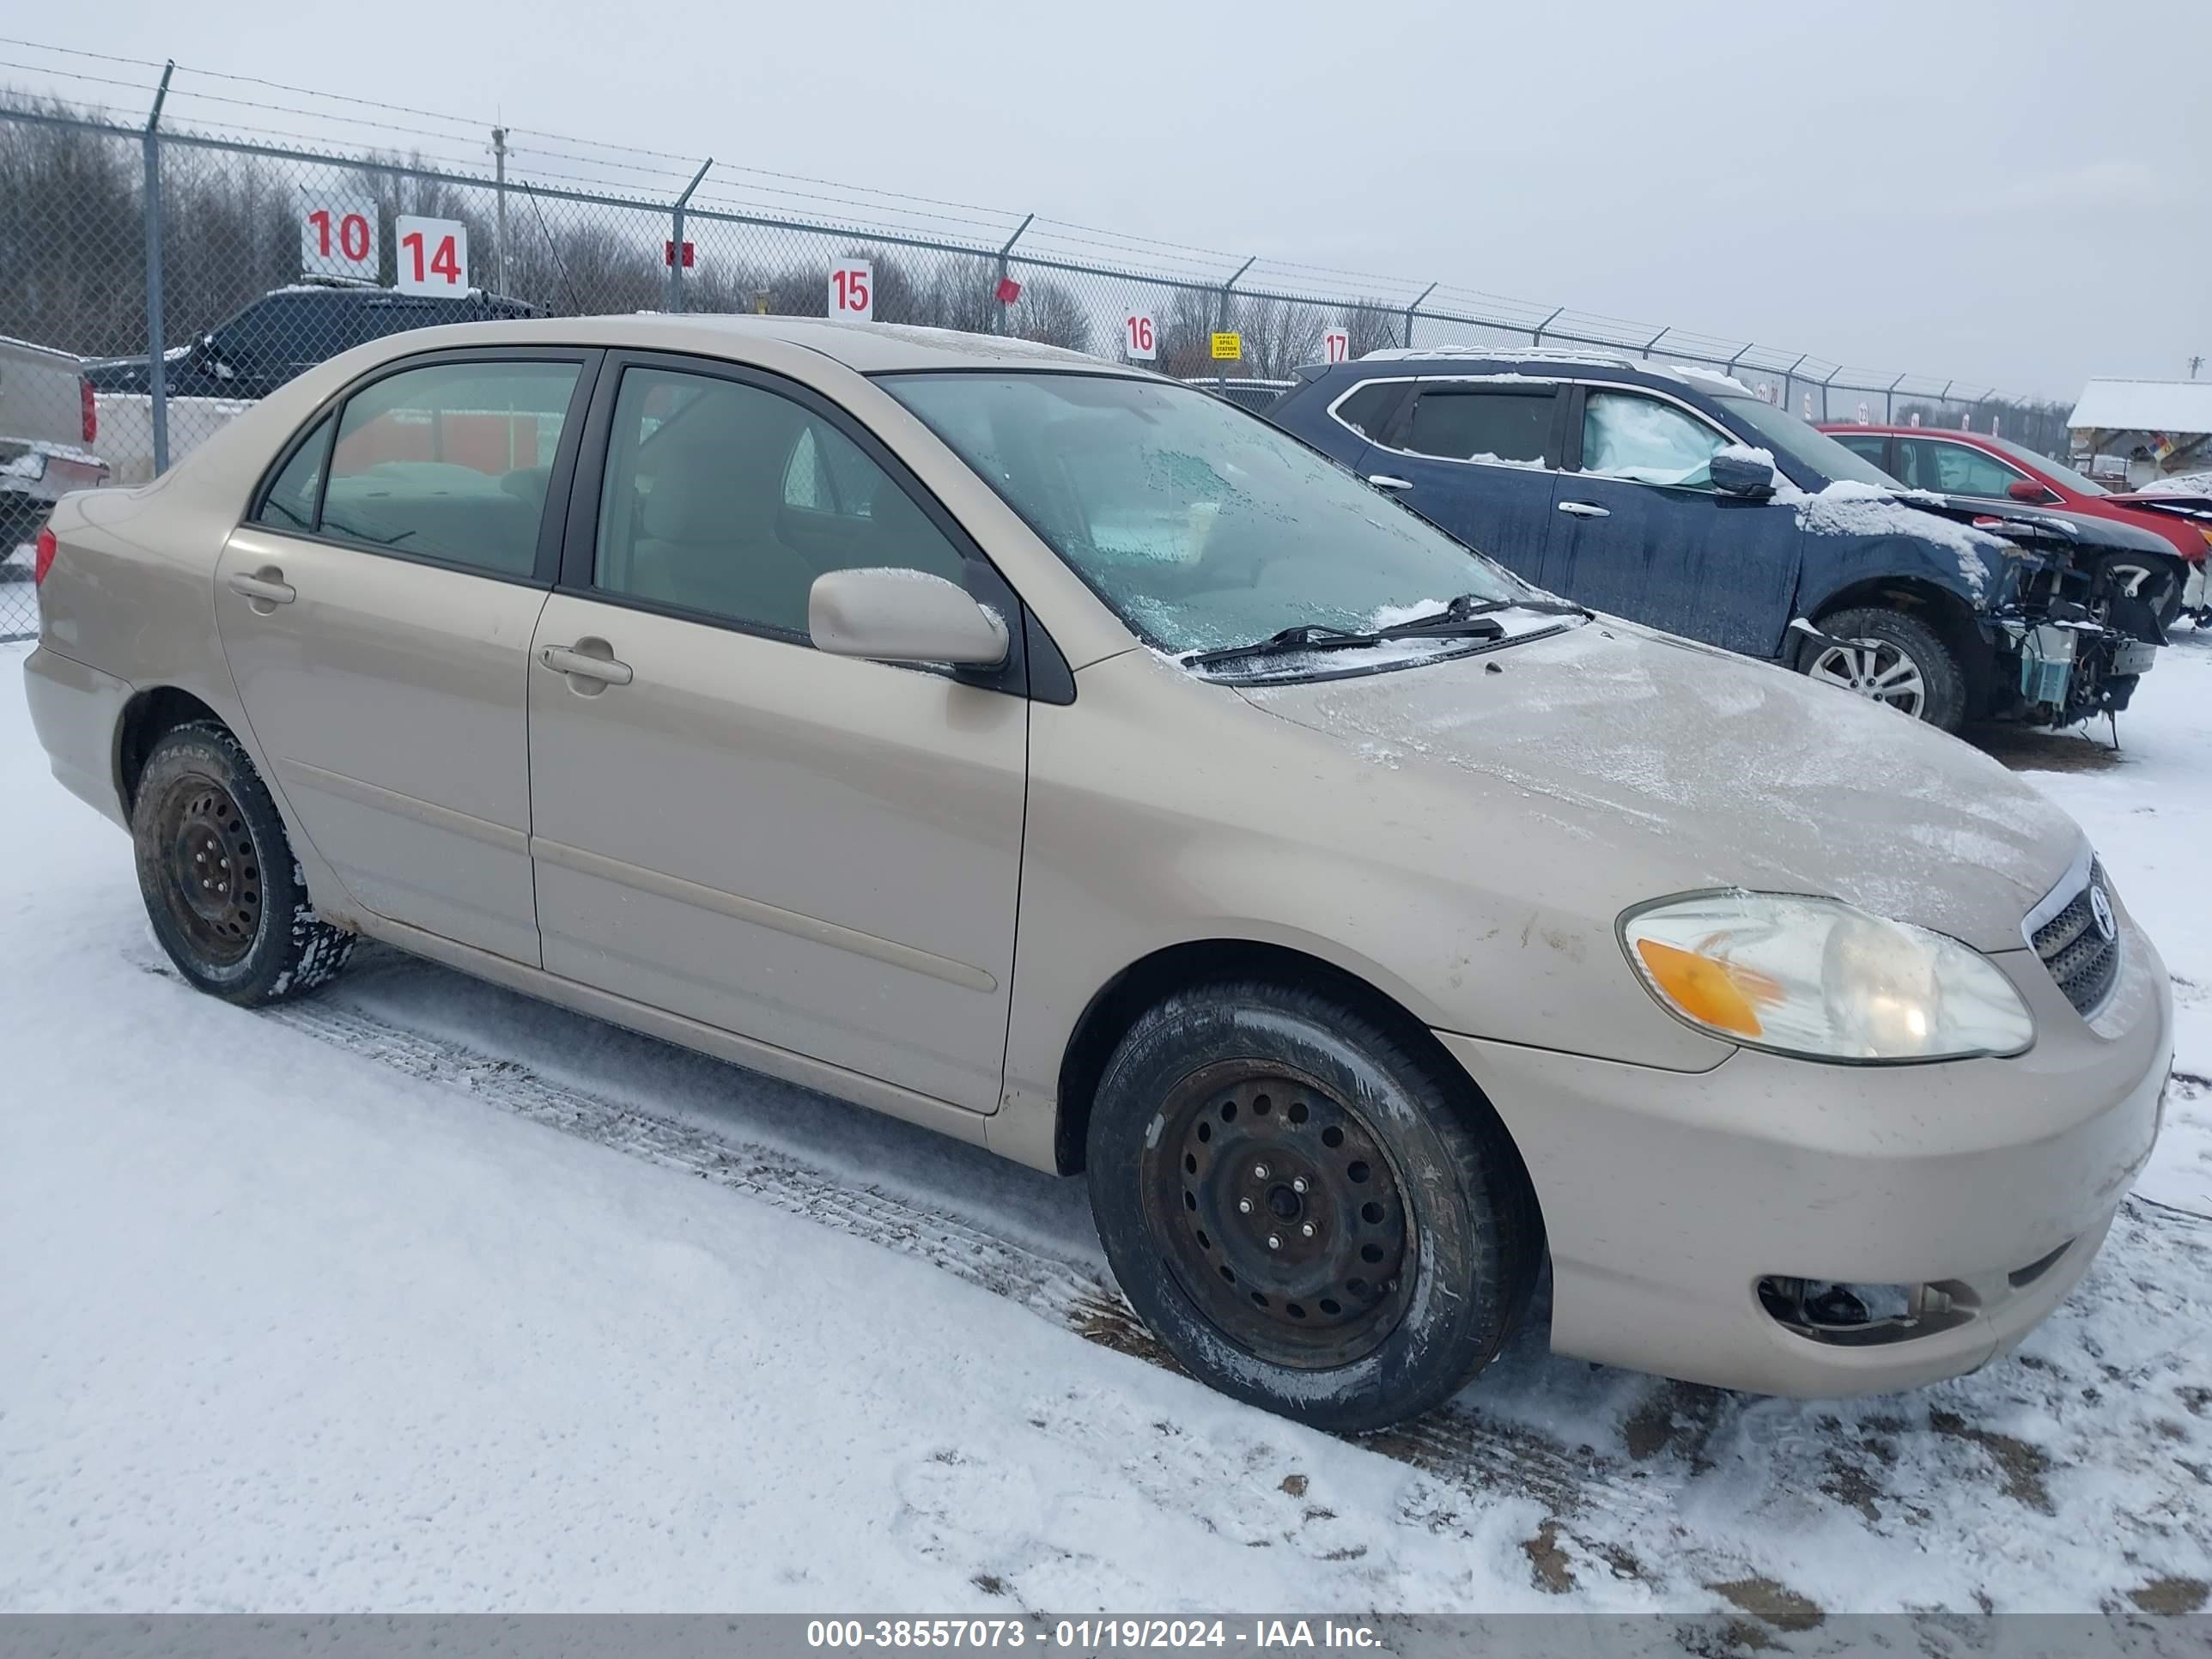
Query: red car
(1975, 463)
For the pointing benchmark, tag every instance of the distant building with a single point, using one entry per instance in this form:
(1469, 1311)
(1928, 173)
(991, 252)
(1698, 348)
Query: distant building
(2152, 429)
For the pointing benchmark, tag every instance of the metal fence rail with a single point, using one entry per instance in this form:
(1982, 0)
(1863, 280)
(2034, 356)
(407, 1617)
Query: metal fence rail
(185, 249)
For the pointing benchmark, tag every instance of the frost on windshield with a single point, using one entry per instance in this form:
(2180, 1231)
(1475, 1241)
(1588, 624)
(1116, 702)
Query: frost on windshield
(1628, 436)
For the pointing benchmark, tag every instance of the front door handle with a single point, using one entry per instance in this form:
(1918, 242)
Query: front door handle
(1386, 481)
(582, 663)
(1586, 509)
(265, 588)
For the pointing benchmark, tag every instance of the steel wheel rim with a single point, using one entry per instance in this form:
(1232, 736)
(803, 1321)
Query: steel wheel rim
(1876, 670)
(1250, 1151)
(211, 875)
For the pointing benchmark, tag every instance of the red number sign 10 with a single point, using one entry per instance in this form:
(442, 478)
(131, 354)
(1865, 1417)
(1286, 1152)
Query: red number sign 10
(338, 237)
(853, 290)
(1336, 344)
(433, 255)
(1139, 337)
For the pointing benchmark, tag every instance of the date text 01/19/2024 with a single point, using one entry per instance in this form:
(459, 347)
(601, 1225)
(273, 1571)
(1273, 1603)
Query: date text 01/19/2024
(1094, 1634)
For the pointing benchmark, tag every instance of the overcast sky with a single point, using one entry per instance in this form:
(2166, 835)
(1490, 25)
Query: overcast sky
(2018, 194)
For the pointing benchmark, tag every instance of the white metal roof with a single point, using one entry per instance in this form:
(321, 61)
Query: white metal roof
(2144, 406)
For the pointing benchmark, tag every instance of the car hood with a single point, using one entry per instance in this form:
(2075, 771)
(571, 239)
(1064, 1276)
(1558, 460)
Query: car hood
(1665, 766)
(2078, 530)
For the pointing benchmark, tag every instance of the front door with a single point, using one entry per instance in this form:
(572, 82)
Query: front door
(377, 613)
(818, 854)
(1475, 459)
(1639, 530)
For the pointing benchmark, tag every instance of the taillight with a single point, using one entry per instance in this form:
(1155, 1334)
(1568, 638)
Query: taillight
(42, 558)
(89, 410)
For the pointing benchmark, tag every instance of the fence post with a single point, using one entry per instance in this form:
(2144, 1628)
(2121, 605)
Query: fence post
(1411, 309)
(676, 242)
(1221, 326)
(1832, 374)
(1654, 340)
(1789, 378)
(1889, 402)
(1536, 338)
(157, 364)
(499, 184)
(999, 317)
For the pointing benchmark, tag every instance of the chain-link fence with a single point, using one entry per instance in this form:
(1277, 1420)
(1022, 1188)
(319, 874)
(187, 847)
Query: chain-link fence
(156, 280)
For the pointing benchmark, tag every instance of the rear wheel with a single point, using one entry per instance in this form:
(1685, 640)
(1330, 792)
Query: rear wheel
(1311, 1216)
(221, 888)
(1892, 658)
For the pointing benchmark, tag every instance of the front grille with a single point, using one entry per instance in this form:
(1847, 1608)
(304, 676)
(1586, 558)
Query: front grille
(2074, 947)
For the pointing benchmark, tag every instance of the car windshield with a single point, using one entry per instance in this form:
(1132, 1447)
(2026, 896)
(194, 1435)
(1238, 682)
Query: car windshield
(1201, 525)
(2049, 469)
(1788, 435)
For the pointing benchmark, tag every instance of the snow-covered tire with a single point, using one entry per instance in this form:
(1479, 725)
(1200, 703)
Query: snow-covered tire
(1391, 1240)
(1874, 643)
(224, 893)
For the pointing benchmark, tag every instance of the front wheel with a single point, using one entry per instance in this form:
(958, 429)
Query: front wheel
(221, 888)
(1892, 658)
(1310, 1215)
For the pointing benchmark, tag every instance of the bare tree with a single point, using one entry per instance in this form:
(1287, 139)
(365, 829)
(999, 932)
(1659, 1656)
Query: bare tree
(1373, 327)
(1048, 311)
(1279, 335)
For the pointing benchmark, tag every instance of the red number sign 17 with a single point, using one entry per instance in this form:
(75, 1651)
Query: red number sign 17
(1139, 337)
(1336, 344)
(853, 290)
(433, 255)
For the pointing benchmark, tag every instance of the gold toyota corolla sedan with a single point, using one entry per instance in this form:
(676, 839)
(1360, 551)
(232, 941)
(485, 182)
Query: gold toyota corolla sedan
(1042, 752)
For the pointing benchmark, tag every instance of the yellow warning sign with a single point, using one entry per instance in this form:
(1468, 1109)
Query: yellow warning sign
(1229, 347)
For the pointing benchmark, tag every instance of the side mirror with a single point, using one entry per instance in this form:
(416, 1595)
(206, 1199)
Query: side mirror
(1739, 475)
(902, 616)
(2026, 490)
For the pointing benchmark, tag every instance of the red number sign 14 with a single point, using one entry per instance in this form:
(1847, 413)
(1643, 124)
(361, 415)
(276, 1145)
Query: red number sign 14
(853, 290)
(433, 255)
(1336, 344)
(337, 237)
(1140, 339)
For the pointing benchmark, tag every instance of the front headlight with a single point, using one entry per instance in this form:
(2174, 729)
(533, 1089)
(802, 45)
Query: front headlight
(1823, 980)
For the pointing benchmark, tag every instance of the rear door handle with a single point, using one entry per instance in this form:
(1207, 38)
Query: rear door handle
(1385, 481)
(1585, 509)
(265, 586)
(584, 665)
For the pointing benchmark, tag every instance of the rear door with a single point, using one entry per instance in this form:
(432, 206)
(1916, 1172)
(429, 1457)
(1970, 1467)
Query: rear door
(377, 612)
(818, 854)
(1638, 528)
(1868, 446)
(1476, 459)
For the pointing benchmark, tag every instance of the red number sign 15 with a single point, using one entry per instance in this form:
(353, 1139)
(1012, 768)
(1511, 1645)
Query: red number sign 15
(853, 290)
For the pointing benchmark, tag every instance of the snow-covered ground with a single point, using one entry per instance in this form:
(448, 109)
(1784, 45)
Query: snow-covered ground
(421, 1295)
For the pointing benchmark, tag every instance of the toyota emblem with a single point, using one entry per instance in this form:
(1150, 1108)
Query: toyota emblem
(2100, 908)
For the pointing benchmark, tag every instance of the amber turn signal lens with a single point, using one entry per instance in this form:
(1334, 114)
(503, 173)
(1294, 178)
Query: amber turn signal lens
(1707, 991)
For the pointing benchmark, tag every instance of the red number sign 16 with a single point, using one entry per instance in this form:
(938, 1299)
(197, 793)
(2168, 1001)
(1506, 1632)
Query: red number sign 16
(853, 290)
(1139, 337)
(434, 255)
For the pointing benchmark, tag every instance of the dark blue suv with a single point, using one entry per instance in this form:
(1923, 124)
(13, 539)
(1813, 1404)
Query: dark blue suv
(1677, 497)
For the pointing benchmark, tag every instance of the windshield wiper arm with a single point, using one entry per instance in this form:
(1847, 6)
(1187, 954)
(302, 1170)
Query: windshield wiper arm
(1306, 637)
(1469, 615)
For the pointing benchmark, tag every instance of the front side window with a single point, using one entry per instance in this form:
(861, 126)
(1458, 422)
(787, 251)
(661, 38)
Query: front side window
(1952, 469)
(1626, 435)
(1199, 526)
(1480, 426)
(449, 462)
(727, 500)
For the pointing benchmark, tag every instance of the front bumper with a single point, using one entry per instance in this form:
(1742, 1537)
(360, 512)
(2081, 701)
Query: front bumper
(1668, 1197)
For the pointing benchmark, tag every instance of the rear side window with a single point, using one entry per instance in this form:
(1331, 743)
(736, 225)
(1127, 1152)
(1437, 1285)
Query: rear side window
(1367, 408)
(1867, 444)
(1480, 425)
(292, 499)
(449, 462)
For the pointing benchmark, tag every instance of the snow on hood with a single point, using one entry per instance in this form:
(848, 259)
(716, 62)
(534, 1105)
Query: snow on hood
(1847, 507)
(1664, 766)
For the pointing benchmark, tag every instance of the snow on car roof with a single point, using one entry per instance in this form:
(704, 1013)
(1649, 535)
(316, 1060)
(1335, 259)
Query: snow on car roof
(1591, 356)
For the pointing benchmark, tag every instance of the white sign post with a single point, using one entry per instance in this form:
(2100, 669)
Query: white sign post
(338, 236)
(1140, 338)
(1336, 345)
(432, 255)
(1863, 414)
(853, 290)
(1809, 405)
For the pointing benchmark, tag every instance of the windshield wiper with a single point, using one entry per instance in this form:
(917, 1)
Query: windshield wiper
(1306, 637)
(1472, 615)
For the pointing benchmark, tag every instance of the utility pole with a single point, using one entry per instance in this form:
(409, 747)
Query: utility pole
(499, 174)
(157, 363)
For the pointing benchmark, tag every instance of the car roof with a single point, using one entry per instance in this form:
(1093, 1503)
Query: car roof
(1979, 440)
(1545, 363)
(865, 348)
